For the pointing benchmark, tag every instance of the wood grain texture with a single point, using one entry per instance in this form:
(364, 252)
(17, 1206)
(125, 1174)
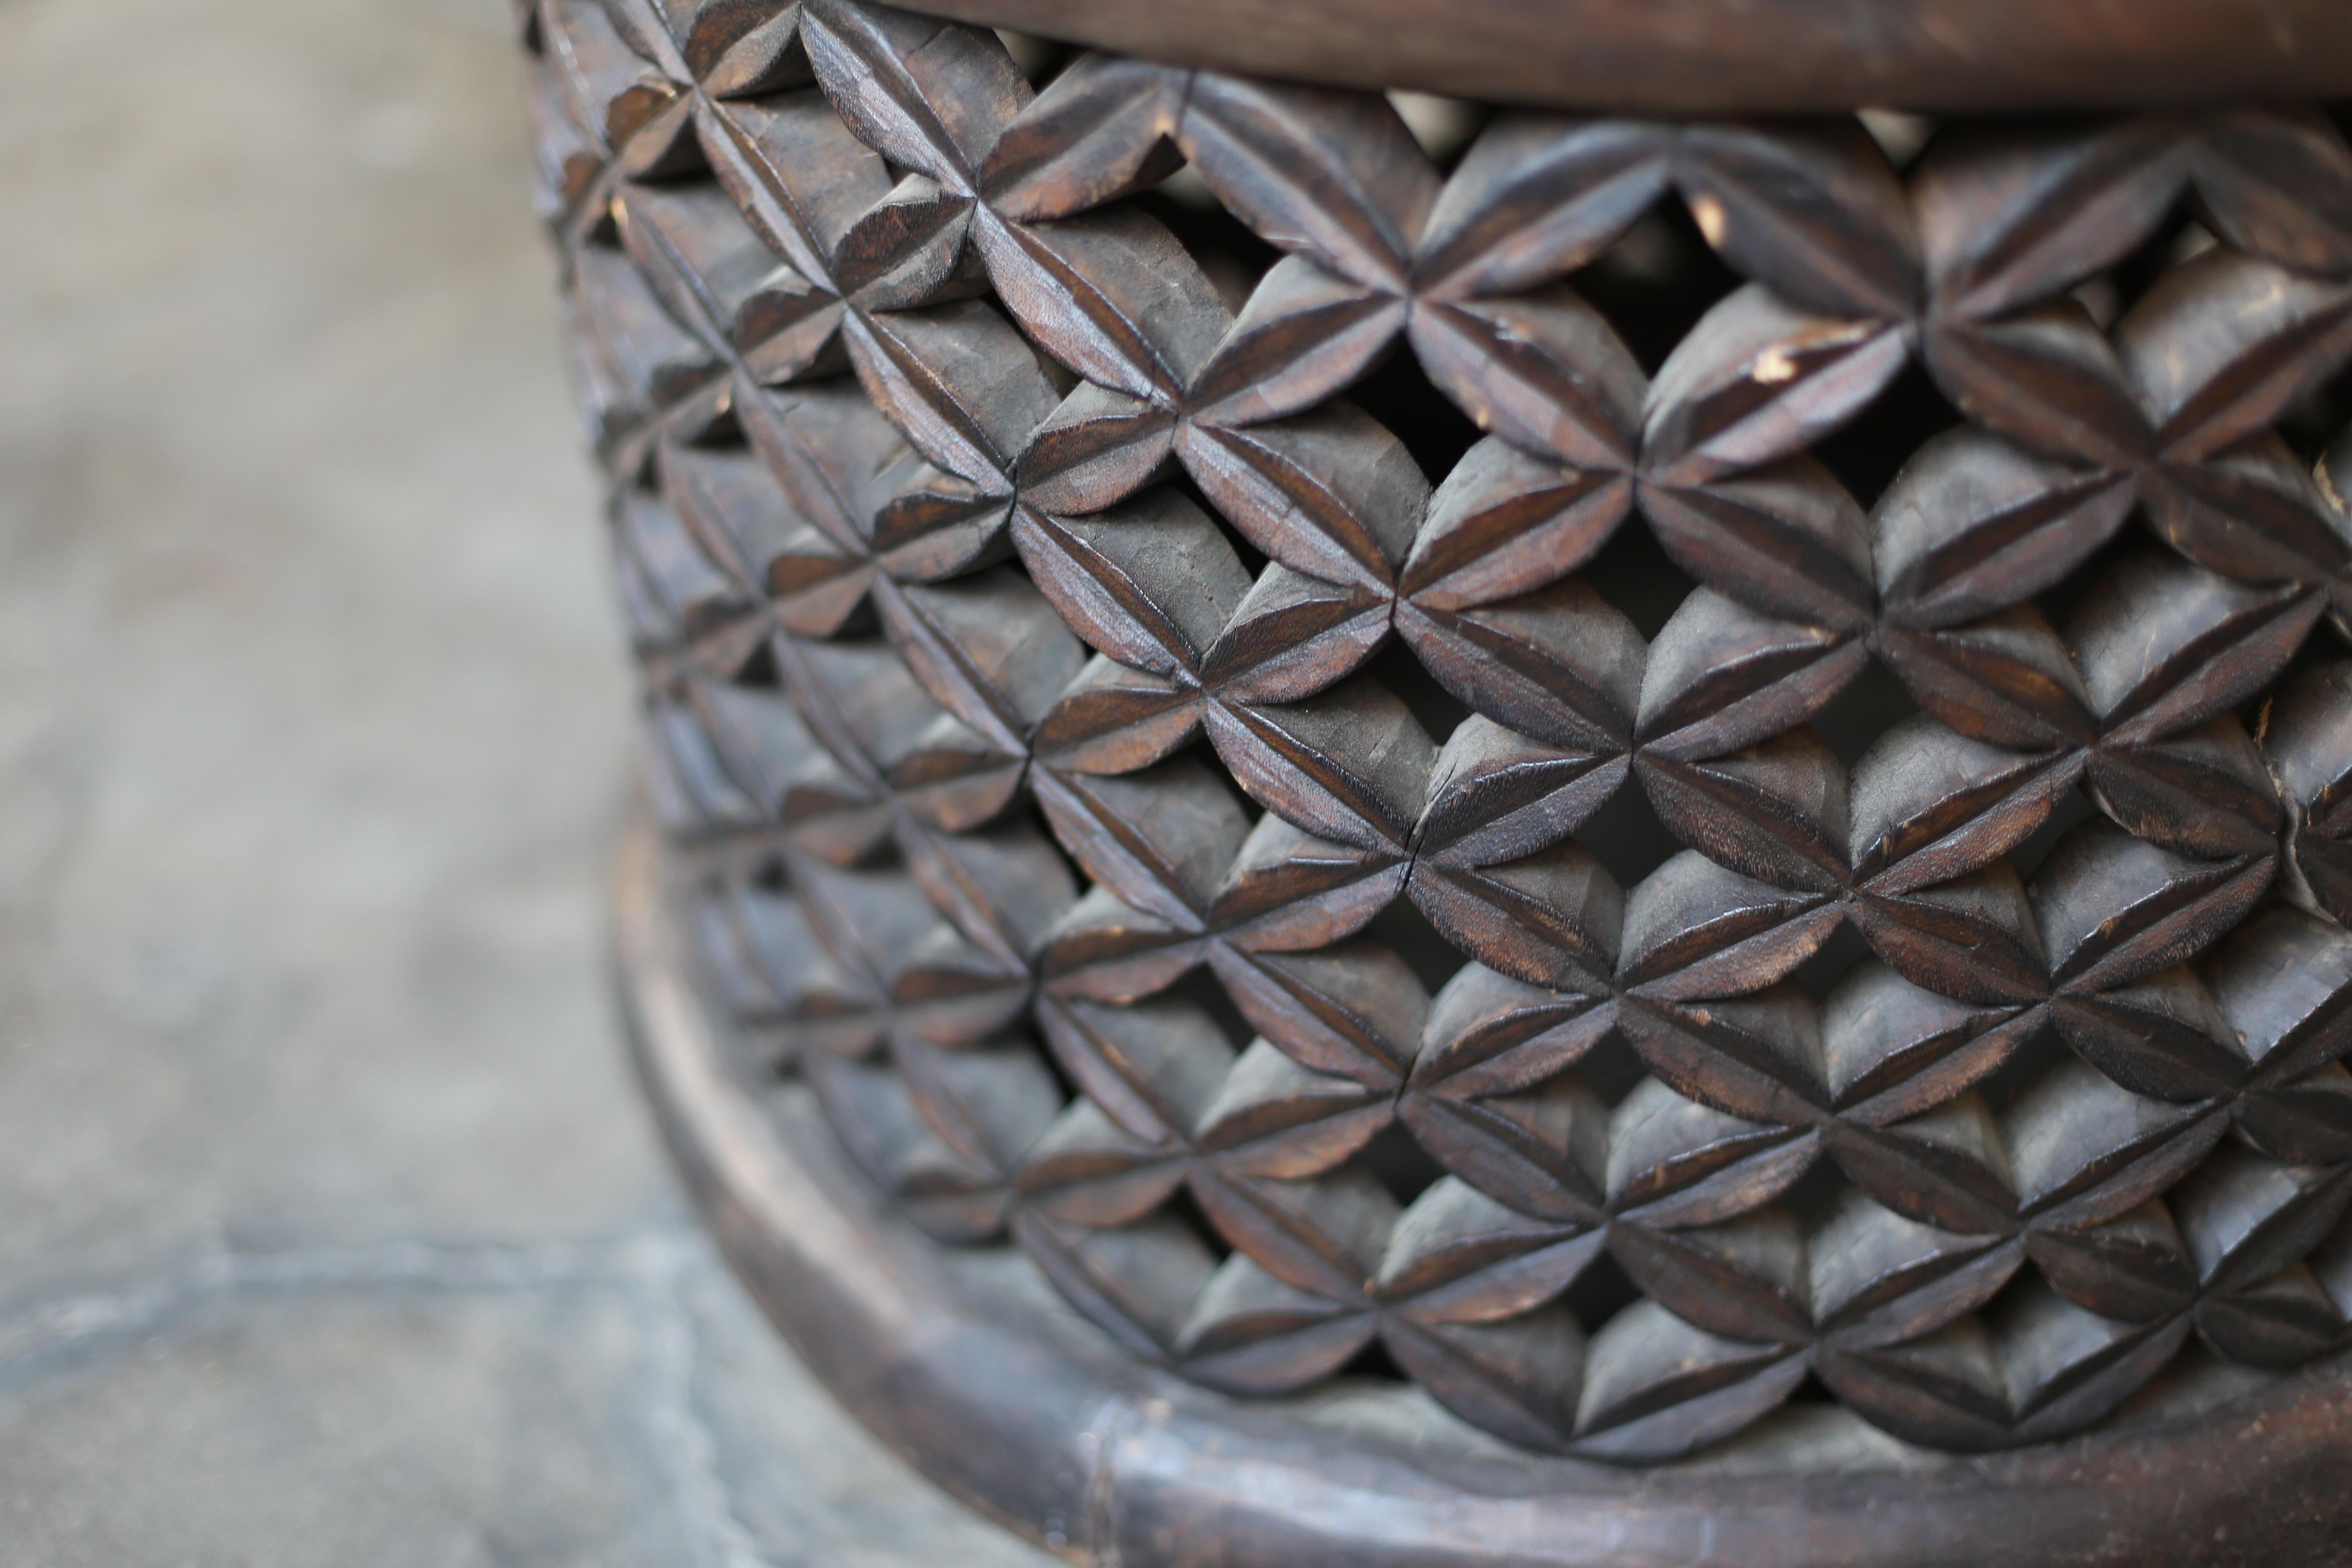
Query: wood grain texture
(1689, 57)
(1655, 765)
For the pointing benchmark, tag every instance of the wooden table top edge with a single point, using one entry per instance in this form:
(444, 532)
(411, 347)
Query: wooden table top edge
(1715, 56)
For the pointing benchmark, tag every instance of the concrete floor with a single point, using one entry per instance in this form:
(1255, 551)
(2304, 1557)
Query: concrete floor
(331, 1231)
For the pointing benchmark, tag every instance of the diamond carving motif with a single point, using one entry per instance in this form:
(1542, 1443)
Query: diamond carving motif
(1629, 770)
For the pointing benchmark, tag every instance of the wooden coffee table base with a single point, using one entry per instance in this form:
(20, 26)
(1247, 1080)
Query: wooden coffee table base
(965, 1363)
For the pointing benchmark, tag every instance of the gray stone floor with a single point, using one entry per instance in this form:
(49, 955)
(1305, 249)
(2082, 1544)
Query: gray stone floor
(329, 1230)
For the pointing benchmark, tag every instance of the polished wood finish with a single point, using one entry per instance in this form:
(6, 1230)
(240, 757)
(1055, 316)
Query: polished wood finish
(992, 1386)
(1694, 57)
(1644, 775)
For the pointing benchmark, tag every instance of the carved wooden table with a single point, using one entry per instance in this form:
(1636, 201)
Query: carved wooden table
(1407, 833)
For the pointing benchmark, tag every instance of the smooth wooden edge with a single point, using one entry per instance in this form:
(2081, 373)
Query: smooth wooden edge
(964, 1364)
(1738, 56)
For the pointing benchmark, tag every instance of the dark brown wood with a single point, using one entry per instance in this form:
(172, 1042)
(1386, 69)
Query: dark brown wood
(1717, 55)
(989, 1384)
(1664, 768)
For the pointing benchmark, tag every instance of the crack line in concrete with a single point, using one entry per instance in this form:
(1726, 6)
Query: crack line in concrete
(42, 1327)
(651, 1271)
(684, 1442)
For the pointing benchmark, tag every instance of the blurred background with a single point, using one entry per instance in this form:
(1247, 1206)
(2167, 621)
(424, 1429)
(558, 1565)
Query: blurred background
(331, 1228)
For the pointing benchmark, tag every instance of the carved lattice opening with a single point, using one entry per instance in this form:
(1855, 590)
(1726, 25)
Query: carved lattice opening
(1637, 772)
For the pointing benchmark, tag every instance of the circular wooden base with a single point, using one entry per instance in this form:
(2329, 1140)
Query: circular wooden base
(965, 1363)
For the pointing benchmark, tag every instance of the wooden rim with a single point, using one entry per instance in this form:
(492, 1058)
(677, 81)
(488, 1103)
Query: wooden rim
(965, 1364)
(1739, 55)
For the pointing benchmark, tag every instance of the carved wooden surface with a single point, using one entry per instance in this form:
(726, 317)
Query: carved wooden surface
(1630, 771)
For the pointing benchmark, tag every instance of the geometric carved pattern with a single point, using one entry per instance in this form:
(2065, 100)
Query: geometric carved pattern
(1323, 738)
